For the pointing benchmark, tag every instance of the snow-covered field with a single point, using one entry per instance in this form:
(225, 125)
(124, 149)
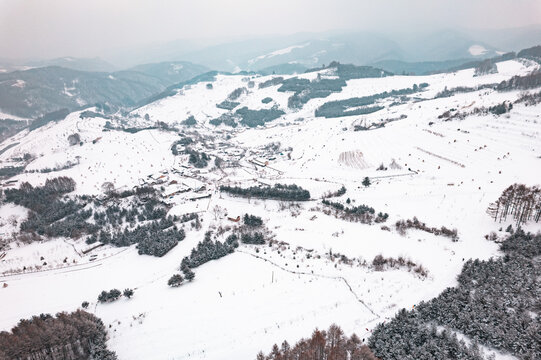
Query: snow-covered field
(250, 300)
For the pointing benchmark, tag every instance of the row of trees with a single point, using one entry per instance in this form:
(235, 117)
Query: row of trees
(115, 215)
(492, 305)
(359, 105)
(113, 295)
(530, 81)
(208, 250)
(245, 116)
(336, 193)
(521, 202)
(227, 105)
(155, 238)
(176, 280)
(278, 192)
(304, 89)
(322, 345)
(403, 225)
(497, 109)
(255, 238)
(485, 67)
(39, 198)
(253, 118)
(10, 171)
(237, 93)
(446, 92)
(271, 82)
(70, 336)
(363, 213)
(380, 263)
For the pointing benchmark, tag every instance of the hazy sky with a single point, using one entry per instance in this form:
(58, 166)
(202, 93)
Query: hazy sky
(52, 28)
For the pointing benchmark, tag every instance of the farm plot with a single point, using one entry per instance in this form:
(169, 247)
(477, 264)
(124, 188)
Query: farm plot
(354, 159)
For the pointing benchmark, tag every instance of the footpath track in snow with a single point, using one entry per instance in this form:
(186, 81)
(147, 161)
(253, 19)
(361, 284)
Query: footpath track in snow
(377, 316)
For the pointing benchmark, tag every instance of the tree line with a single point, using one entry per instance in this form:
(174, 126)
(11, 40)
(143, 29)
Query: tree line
(359, 105)
(208, 250)
(403, 225)
(363, 213)
(155, 238)
(331, 344)
(278, 192)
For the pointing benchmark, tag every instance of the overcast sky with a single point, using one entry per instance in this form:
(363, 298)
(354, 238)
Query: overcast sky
(52, 28)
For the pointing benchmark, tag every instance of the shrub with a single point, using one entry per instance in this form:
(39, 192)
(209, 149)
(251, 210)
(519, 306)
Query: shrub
(366, 182)
(74, 139)
(175, 280)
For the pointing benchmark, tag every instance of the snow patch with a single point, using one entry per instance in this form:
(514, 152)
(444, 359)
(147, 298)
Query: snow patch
(283, 51)
(19, 83)
(177, 67)
(477, 50)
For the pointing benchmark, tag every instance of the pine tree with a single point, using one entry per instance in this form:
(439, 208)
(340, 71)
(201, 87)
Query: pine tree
(104, 295)
(366, 181)
(114, 294)
(175, 280)
(188, 274)
(128, 293)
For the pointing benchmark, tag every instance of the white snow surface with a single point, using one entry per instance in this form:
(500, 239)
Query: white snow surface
(247, 301)
(279, 52)
(477, 50)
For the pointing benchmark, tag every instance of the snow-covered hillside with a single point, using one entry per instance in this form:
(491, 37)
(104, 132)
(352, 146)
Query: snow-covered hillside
(445, 173)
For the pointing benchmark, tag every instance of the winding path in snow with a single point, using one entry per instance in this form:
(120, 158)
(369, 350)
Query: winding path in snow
(377, 316)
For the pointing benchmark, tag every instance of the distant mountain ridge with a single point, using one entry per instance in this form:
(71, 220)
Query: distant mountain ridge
(35, 92)
(38, 91)
(357, 47)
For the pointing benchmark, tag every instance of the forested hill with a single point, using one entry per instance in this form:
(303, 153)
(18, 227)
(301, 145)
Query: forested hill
(35, 92)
